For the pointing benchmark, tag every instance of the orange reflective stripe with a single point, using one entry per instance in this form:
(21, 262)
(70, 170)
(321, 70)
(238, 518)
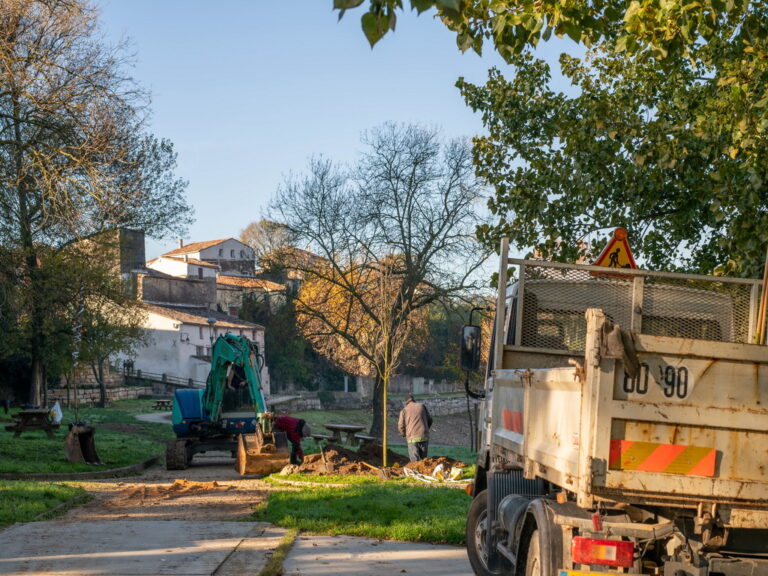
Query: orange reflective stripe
(667, 458)
(512, 420)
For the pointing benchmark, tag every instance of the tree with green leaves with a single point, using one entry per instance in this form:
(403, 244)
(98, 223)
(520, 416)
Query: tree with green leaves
(394, 234)
(659, 29)
(75, 159)
(670, 152)
(667, 138)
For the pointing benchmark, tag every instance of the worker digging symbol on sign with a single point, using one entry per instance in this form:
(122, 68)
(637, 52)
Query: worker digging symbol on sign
(617, 253)
(613, 260)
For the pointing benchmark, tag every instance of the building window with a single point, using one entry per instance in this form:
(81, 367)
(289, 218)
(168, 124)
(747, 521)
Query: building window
(221, 252)
(200, 350)
(199, 272)
(242, 254)
(231, 253)
(200, 333)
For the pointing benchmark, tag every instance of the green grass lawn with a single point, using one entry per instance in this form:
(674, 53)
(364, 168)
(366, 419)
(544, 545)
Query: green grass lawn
(364, 506)
(23, 501)
(392, 511)
(121, 440)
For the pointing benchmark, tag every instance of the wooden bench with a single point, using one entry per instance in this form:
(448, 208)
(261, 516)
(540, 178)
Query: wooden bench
(162, 405)
(349, 430)
(34, 419)
(320, 437)
(364, 439)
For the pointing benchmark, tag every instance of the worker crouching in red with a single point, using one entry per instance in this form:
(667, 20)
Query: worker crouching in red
(295, 429)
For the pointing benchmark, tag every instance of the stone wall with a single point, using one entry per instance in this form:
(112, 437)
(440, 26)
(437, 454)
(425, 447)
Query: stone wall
(180, 291)
(283, 404)
(405, 384)
(91, 396)
(437, 406)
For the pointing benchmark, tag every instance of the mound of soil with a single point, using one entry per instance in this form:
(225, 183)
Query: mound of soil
(365, 462)
(428, 465)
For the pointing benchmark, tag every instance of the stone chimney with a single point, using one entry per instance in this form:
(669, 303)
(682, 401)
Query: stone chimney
(181, 242)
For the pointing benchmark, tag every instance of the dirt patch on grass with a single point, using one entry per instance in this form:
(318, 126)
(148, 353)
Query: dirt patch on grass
(210, 489)
(368, 461)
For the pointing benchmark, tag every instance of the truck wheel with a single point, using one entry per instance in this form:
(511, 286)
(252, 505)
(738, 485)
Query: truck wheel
(533, 559)
(176, 455)
(476, 536)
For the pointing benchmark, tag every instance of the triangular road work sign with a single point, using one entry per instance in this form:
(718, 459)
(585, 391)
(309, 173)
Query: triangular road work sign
(617, 253)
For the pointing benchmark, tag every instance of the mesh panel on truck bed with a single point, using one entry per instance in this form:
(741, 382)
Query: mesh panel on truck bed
(556, 296)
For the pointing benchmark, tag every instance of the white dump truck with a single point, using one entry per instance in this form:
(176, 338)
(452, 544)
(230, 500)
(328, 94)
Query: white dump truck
(624, 426)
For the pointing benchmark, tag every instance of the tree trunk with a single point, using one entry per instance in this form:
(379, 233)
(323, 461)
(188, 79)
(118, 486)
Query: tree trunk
(98, 372)
(377, 425)
(37, 381)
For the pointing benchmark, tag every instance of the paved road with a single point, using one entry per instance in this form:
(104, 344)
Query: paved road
(179, 548)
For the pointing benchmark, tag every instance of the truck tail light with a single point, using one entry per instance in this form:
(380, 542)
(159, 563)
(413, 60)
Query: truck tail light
(603, 552)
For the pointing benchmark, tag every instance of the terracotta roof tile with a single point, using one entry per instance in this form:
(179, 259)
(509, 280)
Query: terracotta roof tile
(194, 261)
(196, 246)
(246, 282)
(199, 317)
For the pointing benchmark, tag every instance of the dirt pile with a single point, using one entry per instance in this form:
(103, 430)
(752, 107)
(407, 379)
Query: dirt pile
(366, 462)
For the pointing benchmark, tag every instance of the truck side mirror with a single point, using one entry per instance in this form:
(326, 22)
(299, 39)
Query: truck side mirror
(470, 348)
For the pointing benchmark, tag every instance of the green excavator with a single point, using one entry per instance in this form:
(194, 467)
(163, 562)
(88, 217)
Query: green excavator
(230, 414)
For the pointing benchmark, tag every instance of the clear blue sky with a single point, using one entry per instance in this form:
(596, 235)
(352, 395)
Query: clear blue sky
(248, 90)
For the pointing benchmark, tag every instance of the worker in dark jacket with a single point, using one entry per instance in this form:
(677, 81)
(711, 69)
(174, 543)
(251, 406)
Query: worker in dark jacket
(295, 429)
(414, 424)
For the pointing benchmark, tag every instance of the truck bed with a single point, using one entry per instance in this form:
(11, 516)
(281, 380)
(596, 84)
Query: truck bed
(690, 428)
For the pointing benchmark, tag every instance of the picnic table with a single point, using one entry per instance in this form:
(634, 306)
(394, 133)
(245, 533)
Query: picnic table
(349, 429)
(162, 405)
(32, 419)
(365, 439)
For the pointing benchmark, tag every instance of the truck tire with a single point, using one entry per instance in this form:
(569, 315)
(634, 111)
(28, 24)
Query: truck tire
(533, 558)
(476, 536)
(176, 456)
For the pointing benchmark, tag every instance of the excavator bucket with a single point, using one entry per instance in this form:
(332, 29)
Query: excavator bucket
(261, 454)
(79, 445)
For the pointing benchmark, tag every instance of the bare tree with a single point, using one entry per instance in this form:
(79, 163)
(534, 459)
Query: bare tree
(396, 233)
(74, 158)
(266, 238)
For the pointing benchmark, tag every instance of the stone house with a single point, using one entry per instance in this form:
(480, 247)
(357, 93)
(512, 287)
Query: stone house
(230, 255)
(180, 296)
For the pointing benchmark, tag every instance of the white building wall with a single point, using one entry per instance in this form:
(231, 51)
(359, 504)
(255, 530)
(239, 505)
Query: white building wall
(174, 348)
(169, 266)
(228, 250)
(180, 269)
